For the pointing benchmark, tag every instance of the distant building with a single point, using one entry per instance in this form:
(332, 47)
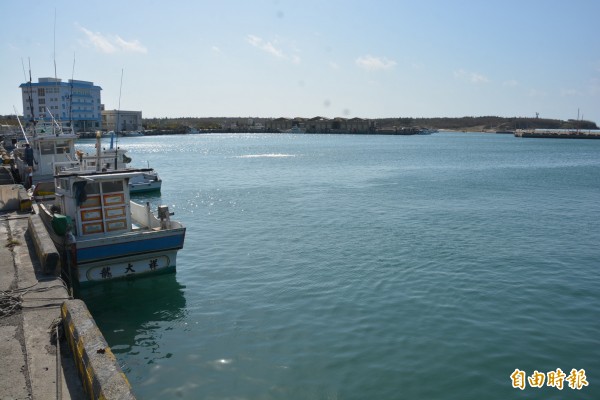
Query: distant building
(122, 121)
(319, 124)
(74, 101)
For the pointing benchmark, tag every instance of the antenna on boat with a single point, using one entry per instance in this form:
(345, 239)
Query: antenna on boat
(54, 120)
(98, 136)
(54, 49)
(23, 65)
(117, 122)
(20, 125)
(15, 108)
(55, 77)
(71, 97)
(120, 89)
(31, 99)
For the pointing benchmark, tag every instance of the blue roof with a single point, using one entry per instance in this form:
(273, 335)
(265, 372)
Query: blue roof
(76, 84)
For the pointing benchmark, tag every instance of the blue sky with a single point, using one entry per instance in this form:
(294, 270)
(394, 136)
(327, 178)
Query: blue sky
(276, 58)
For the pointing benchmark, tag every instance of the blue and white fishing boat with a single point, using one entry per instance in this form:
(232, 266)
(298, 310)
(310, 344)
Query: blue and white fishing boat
(39, 149)
(101, 233)
(115, 158)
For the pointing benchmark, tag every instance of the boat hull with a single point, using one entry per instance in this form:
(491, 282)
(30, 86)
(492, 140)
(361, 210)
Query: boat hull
(126, 256)
(153, 186)
(132, 267)
(129, 255)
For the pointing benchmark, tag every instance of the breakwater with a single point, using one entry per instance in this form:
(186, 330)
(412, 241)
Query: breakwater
(558, 134)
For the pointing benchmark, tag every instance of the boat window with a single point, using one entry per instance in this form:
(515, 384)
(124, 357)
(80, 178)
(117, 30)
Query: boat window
(62, 147)
(92, 188)
(47, 147)
(63, 183)
(112, 186)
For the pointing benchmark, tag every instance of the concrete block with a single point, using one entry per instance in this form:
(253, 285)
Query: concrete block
(101, 375)
(44, 246)
(24, 200)
(9, 197)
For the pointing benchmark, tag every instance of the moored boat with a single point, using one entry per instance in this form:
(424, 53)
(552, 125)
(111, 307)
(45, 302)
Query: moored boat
(103, 235)
(37, 152)
(116, 159)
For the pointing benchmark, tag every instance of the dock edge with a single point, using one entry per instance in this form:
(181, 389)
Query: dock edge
(101, 375)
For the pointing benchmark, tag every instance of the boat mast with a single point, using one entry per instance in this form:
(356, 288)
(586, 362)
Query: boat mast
(55, 122)
(71, 97)
(15, 108)
(117, 121)
(21, 125)
(33, 121)
(98, 150)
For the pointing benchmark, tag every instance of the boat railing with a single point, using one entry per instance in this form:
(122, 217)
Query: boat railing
(143, 217)
(61, 166)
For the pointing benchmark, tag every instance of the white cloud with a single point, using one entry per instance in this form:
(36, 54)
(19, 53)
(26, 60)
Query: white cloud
(478, 78)
(371, 63)
(473, 77)
(133, 46)
(112, 43)
(333, 65)
(272, 48)
(216, 49)
(536, 93)
(570, 92)
(510, 83)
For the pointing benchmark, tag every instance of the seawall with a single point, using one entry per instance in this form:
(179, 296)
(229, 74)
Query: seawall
(35, 306)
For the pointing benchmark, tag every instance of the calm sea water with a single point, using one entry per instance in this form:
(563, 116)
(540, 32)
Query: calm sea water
(365, 267)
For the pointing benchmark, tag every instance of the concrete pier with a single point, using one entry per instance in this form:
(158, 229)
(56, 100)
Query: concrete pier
(35, 309)
(33, 364)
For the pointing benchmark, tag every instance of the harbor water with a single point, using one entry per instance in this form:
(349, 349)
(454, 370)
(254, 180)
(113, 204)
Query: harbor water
(365, 267)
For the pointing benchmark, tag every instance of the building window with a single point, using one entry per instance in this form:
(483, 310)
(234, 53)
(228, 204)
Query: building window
(41, 92)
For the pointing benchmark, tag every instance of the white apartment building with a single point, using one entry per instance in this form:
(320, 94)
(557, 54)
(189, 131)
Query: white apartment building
(122, 121)
(76, 101)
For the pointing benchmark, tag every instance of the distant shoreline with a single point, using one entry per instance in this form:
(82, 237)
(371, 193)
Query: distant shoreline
(389, 126)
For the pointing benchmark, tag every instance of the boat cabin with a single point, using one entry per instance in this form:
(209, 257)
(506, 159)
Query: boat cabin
(98, 204)
(40, 152)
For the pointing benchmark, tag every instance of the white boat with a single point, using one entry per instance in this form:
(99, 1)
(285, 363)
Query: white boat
(103, 235)
(115, 158)
(294, 129)
(38, 150)
(8, 137)
(133, 133)
(427, 131)
(42, 155)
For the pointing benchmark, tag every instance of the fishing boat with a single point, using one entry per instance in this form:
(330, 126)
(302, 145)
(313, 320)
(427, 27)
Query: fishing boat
(36, 153)
(43, 152)
(103, 235)
(294, 129)
(134, 133)
(115, 158)
(8, 137)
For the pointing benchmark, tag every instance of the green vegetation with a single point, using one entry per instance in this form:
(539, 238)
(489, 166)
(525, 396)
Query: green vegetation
(489, 123)
(10, 120)
(485, 123)
(181, 124)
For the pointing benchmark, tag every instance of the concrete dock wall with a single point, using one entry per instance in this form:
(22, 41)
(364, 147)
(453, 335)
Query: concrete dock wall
(44, 246)
(100, 373)
(14, 198)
